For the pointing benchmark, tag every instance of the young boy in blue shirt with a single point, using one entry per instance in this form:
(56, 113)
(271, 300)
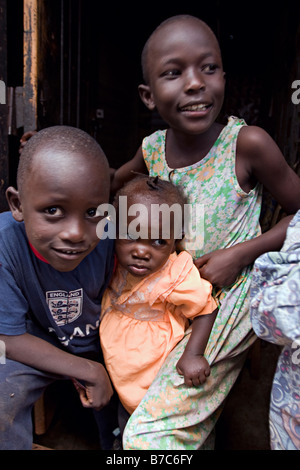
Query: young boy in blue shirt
(53, 272)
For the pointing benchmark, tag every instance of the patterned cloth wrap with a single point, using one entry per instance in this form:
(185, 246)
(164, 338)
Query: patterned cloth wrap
(172, 415)
(275, 314)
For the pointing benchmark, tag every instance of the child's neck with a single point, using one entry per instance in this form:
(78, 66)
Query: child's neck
(184, 149)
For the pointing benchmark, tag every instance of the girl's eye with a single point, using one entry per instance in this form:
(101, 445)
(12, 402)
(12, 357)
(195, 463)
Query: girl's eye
(53, 211)
(209, 68)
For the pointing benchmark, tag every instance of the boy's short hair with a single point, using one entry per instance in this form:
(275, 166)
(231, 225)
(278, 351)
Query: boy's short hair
(62, 138)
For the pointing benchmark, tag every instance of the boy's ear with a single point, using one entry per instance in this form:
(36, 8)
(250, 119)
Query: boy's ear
(146, 96)
(13, 199)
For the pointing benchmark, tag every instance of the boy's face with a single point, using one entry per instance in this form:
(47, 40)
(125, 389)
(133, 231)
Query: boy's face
(186, 78)
(145, 255)
(58, 206)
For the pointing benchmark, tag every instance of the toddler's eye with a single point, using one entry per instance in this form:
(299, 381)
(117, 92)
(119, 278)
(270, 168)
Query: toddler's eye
(159, 242)
(124, 236)
(132, 236)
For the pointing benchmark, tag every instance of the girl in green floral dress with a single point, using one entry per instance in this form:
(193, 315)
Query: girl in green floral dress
(222, 170)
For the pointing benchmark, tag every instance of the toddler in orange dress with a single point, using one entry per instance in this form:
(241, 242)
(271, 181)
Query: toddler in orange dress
(153, 294)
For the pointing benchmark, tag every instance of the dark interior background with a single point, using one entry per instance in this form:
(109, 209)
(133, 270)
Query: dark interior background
(89, 65)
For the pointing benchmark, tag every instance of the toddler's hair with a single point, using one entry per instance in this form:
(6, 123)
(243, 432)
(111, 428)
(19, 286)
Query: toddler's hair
(157, 192)
(152, 186)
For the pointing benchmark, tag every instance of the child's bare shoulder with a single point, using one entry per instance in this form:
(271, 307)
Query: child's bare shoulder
(256, 146)
(253, 136)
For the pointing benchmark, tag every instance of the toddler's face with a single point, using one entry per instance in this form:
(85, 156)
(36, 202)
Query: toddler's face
(146, 254)
(186, 76)
(58, 206)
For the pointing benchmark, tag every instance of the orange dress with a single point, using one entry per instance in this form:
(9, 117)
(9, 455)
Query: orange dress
(143, 319)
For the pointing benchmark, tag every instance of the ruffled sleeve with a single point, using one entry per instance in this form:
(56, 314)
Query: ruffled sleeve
(183, 288)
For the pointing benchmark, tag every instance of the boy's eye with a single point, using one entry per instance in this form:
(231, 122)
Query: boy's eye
(171, 73)
(53, 211)
(92, 212)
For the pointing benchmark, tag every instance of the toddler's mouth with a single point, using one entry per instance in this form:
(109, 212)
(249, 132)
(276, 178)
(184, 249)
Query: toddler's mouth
(138, 270)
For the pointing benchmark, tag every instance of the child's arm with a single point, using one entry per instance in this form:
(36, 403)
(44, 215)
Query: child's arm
(40, 354)
(125, 173)
(258, 159)
(222, 267)
(192, 364)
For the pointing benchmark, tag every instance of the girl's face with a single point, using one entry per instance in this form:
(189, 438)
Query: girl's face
(144, 255)
(186, 78)
(58, 206)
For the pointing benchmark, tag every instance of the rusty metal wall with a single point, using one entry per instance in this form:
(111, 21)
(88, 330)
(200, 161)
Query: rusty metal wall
(3, 108)
(30, 64)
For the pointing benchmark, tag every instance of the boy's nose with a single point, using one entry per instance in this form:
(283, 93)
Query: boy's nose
(194, 80)
(74, 231)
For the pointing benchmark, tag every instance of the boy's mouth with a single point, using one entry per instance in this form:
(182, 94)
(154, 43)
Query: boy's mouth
(69, 253)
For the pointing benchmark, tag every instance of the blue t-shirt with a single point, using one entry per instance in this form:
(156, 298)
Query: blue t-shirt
(60, 307)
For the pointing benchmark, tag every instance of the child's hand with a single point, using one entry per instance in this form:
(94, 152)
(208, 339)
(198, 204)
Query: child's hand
(194, 368)
(95, 394)
(221, 267)
(24, 139)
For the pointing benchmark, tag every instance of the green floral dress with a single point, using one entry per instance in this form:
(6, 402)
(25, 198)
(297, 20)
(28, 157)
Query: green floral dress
(172, 415)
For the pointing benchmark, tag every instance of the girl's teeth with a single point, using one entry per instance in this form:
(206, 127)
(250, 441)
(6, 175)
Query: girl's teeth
(195, 107)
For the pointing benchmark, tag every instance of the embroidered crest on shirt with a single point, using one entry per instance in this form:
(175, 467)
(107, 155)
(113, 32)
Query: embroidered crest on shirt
(65, 307)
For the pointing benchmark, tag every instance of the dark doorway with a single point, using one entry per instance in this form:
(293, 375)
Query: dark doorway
(89, 66)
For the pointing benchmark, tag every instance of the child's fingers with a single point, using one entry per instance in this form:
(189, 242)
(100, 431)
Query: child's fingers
(86, 401)
(199, 262)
